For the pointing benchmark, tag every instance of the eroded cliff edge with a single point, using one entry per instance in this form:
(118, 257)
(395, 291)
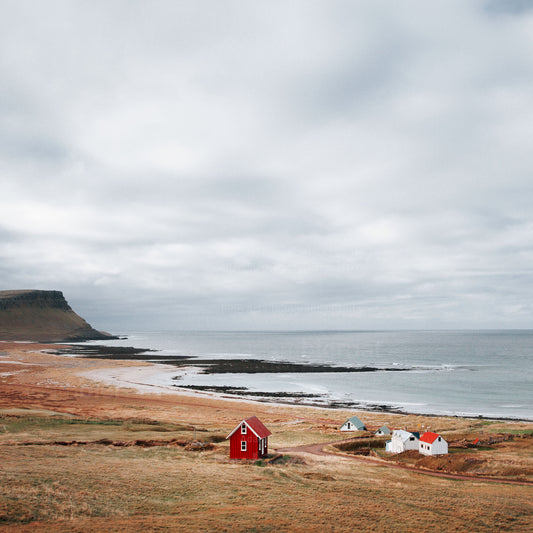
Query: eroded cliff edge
(45, 316)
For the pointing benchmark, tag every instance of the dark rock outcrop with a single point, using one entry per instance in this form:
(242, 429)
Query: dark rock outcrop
(45, 316)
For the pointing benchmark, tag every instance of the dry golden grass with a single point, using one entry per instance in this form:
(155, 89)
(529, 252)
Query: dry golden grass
(94, 487)
(98, 488)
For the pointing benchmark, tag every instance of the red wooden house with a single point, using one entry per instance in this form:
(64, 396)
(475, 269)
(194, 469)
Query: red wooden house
(249, 439)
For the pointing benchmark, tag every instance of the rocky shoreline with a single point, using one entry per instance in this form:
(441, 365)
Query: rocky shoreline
(215, 366)
(237, 366)
(300, 398)
(251, 366)
(243, 391)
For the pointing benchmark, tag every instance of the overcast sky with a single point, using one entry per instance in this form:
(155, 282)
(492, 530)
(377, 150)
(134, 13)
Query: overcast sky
(270, 164)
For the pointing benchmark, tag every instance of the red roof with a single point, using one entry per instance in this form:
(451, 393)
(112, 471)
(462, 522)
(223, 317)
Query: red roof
(255, 425)
(429, 437)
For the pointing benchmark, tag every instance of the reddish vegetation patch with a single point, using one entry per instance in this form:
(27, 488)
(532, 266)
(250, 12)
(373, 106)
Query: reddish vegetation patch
(456, 463)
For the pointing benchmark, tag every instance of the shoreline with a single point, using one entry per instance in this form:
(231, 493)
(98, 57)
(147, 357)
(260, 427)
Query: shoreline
(167, 364)
(218, 366)
(79, 431)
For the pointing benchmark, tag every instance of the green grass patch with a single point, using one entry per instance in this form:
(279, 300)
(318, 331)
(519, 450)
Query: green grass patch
(515, 432)
(18, 424)
(153, 425)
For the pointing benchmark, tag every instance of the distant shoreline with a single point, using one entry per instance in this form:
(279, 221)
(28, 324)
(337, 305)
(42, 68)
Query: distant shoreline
(217, 366)
(256, 366)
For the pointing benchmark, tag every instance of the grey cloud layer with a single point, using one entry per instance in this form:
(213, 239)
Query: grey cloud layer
(270, 165)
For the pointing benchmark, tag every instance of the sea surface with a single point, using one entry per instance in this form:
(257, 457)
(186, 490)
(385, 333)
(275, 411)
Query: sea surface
(467, 373)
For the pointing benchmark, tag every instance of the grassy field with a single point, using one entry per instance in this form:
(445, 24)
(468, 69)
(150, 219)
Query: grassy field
(79, 456)
(101, 487)
(505, 453)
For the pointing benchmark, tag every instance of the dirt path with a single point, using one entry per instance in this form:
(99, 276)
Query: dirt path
(318, 449)
(314, 449)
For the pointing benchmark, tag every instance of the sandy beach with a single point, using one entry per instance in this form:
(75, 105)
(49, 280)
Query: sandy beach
(30, 366)
(27, 368)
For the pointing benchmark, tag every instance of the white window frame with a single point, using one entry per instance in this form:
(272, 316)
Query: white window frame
(243, 445)
(243, 429)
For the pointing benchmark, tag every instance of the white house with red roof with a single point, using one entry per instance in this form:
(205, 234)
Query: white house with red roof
(249, 439)
(432, 444)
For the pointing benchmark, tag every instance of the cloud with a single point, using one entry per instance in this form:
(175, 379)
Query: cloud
(269, 165)
(514, 7)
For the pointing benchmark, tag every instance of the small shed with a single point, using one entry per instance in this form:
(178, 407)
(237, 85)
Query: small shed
(353, 424)
(401, 441)
(432, 444)
(249, 439)
(382, 431)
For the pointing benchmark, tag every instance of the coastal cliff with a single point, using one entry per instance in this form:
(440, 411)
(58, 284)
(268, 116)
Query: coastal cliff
(45, 316)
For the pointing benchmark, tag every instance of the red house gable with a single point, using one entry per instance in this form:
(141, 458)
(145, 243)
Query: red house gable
(249, 439)
(429, 437)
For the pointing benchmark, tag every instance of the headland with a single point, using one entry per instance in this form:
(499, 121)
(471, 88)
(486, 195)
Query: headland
(42, 316)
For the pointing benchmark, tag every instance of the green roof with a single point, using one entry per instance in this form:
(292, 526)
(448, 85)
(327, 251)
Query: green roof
(356, 422)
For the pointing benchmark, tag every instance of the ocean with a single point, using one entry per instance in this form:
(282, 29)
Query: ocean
(466, 373)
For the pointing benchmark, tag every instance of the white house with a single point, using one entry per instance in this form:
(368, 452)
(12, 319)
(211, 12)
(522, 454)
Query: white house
(401, 441)
(353, 424)
(382, 431)
(432, 444)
